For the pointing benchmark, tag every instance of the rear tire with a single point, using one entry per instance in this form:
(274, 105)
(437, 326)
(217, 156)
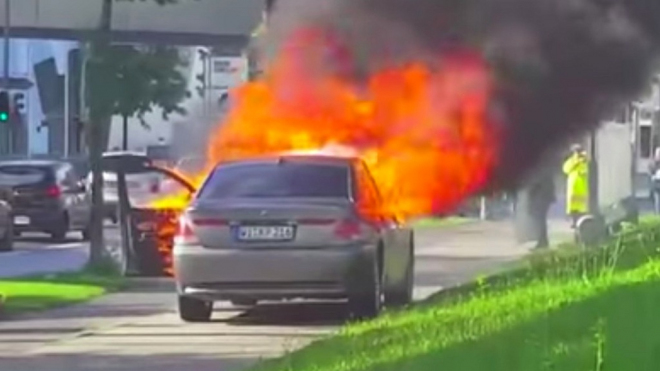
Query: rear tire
(404, 294)
(7, 242)
(86, 234)
(59, 233)
(194, 310)
(369, 304)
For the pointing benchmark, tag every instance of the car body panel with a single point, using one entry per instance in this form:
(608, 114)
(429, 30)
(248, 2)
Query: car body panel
(315, 263)
(31, 197)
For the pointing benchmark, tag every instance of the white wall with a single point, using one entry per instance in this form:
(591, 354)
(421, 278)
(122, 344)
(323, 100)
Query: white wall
(614, 156)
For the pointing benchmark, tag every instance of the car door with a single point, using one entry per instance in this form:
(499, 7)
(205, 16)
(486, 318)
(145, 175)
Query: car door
(73, 194)
(82, 196)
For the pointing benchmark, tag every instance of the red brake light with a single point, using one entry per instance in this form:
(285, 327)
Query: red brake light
(348, 229)
(185, 234)
(53, 191)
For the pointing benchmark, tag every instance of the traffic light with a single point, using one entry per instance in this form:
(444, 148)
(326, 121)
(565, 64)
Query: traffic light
(19, 102)
(4, 106)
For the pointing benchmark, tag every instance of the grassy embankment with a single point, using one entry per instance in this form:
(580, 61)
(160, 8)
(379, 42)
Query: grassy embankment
(26, 294)
(566, 310)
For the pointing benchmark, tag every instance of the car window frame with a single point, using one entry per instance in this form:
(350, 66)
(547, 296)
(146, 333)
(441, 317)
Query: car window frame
(209, 179)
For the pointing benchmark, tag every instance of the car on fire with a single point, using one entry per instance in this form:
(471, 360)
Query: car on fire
(291, 226)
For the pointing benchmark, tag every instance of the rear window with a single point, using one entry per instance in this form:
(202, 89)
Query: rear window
(22, 175)
(295, 180)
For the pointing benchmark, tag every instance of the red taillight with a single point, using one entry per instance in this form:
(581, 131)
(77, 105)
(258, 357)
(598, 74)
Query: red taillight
(185, 234)
(53, 192)
(348, 229)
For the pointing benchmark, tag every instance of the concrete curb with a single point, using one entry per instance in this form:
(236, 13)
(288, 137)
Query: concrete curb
(2, 307)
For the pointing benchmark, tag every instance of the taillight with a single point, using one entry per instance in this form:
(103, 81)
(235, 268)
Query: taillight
(185, 234)
(53, 191)
(348, 229)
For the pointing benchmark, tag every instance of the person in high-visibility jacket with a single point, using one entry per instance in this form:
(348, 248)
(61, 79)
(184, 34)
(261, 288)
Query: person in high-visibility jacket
(576, 169)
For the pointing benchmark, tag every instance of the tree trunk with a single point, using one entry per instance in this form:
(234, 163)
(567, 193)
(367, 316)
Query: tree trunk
(99, 122)
(124, 141)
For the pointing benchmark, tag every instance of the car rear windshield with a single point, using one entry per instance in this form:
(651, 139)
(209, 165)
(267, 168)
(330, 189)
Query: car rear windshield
(289, 180)
(19, 175)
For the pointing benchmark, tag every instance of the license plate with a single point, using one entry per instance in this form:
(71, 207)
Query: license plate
(21, 220)
(265, 233)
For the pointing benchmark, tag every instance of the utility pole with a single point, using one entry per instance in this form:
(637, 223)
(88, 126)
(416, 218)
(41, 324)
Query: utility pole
(67, 107)
(97, 120)
(5, 75)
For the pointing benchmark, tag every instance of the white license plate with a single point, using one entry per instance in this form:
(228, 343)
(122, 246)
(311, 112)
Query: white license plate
(265, 233)
(21, 220)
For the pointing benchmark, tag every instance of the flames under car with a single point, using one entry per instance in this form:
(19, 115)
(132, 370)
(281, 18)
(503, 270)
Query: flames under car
(153, 232)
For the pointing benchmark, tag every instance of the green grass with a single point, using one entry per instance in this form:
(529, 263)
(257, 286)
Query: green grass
(440, 222)
(568, 310)
(26, 294)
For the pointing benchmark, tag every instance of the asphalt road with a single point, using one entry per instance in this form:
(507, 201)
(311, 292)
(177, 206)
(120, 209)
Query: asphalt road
(139, 329)
(35, 253)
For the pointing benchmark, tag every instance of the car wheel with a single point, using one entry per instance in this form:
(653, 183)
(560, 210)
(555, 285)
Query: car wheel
(403, 295)
(86, 233)
(7, 242)
(59, 233)
(369, 303)
(244, 302)
(194, 310)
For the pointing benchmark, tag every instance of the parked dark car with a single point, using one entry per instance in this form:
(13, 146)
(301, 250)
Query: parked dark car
(6, 223)
(48, 196)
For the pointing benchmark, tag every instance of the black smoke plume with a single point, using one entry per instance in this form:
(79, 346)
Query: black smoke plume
(561, 65)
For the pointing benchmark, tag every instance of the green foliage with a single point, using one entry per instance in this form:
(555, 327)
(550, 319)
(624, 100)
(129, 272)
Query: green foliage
(571, 309)
(141, 78)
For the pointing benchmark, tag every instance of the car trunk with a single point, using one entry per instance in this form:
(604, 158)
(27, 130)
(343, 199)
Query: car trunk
(268, 223)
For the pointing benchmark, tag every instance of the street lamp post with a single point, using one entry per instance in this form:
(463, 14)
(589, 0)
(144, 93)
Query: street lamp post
(5, 75)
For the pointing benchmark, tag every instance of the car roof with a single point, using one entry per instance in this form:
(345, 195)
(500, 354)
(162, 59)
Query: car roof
(318, 157)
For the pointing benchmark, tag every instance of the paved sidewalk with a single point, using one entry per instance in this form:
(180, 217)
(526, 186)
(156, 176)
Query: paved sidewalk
(139, 329)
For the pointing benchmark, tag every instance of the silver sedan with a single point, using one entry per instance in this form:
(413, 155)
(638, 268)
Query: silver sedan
(291, 227)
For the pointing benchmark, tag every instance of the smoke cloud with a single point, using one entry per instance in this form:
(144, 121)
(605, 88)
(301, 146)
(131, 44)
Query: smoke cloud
(561, 65)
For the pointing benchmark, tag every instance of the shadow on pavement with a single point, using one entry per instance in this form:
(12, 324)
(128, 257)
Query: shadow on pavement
(46, 240)
(293, 314)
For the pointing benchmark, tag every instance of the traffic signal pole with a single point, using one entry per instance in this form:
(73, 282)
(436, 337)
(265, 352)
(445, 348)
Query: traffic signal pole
(7, 27)
(5, 75)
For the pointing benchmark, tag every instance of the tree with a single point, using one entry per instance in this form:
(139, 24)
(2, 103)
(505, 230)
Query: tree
(100, 105)
(144, 78)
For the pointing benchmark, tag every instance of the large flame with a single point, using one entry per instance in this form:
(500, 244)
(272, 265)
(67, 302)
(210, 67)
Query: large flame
(426, 132)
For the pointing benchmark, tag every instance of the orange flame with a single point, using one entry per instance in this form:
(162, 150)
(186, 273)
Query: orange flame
(425, 132)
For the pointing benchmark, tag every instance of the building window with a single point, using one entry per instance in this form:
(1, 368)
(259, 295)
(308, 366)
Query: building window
(645, 142)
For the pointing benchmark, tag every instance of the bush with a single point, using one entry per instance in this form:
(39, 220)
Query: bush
(570, 309)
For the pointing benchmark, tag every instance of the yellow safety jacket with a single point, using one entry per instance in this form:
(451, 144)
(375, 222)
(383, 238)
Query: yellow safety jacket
(576, 169)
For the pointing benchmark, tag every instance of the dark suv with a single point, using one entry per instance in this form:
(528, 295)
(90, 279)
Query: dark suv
(48, 196)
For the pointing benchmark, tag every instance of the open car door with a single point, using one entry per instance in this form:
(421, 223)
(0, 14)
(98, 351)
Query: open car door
(147, 226)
